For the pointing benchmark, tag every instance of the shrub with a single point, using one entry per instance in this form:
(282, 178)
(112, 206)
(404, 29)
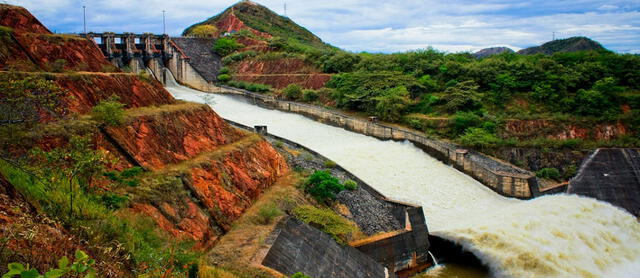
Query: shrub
(238, 56)
(326, 220)
(350, 185)
(329, 164)
(109, 112)
(254, 87)
(463, 96)
(323, 186)
(549, 173)
(300, 275)
(392, 103)
(224, 70)
(81, 267)
(266, 214)
(464, 120)
(226, 46)
(310, 95)
(293, 92)
(204, 31)
(58, 65)
(478, 137)
(224, 77)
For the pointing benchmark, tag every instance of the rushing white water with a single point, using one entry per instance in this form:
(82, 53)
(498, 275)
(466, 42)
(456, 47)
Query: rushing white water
(553, 236)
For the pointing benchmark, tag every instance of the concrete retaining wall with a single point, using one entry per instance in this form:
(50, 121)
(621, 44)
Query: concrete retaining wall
(502, 177)
(298, 247)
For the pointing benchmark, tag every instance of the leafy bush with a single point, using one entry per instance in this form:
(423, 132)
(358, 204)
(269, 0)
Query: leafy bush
(478, 137)
(350, 185)
(224, 77)
(82, 265)
(330, 164)
(58, 65)
(549, 173)
(392, 103)
(340, 62)
(293, 92)
(464, 120)
(109, 112)
(225, 46)
(224, 70)
(326, 220)
(463, 96)
(236, 57)
(300, 275)
(254, 87)
(323, 186)
(266, 214)
(310, 95)
(204, 31)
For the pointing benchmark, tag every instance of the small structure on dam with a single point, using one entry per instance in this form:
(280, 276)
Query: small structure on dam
(611, 175)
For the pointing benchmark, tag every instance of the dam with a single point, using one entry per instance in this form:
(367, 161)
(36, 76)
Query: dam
(551, 236)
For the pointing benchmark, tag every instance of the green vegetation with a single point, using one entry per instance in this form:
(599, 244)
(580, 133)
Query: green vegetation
(293, 92)
(350, 185)
(549, 173)
(323, 186)
(81, 267)
(300, 275)
(224, 77)
(254, 87)
(267, 213)
(204, 31)
(109, 112)
(225, 46)
(338, 227)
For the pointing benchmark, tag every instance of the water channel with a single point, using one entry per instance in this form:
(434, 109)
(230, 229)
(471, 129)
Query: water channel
(552, 236)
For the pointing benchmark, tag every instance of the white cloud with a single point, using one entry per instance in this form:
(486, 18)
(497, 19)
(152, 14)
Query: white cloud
(395, 25)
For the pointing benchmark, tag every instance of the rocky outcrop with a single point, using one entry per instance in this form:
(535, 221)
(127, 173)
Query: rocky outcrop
(21, 20)
(32, 43)
(279, 66)
(168, 135)
(557, 130)
(86, 90)
(279, 81)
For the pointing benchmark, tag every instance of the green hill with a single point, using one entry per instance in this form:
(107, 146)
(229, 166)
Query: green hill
(565, 45)
(260, 18)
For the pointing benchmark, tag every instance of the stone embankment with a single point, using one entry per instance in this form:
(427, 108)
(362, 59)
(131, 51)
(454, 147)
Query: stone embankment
(500, 176)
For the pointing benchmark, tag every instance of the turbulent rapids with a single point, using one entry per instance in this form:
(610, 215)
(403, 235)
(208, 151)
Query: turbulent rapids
(553, 236)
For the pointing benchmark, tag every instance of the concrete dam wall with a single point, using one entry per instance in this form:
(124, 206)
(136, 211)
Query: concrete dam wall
(500, 176)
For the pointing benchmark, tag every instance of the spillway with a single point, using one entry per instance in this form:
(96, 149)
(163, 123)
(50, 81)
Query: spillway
(552, 236)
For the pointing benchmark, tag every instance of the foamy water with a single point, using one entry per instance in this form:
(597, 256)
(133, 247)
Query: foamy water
(552, 236)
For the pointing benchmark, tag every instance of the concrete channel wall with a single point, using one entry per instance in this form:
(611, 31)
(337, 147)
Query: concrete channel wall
(399, 251)
(502, 177)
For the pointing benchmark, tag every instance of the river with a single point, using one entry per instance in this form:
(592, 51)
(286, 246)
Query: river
(551, 236)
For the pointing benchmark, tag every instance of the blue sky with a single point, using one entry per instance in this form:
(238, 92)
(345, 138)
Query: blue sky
(377, 26)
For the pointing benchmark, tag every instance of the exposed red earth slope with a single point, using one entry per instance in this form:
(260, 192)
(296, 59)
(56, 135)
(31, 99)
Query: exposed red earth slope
(213, 172)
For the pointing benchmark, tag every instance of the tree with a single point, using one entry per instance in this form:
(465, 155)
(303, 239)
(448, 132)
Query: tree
(204, 31)
(392, 103)
(109, 112)
(25, 101)
(323, 186)
(341, 62)
(78, 163)
(225, 46)
(463, 96)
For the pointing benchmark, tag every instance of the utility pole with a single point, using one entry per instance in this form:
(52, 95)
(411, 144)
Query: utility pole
(285, 9)
(84, 18)
(164, 25)
(554, 36)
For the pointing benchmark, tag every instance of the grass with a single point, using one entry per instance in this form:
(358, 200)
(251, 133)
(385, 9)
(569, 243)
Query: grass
(241, 250)
(339, 228)
(180, 106)
(135, 239)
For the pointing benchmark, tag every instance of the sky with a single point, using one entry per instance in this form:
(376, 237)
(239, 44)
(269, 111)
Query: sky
(376, 26)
